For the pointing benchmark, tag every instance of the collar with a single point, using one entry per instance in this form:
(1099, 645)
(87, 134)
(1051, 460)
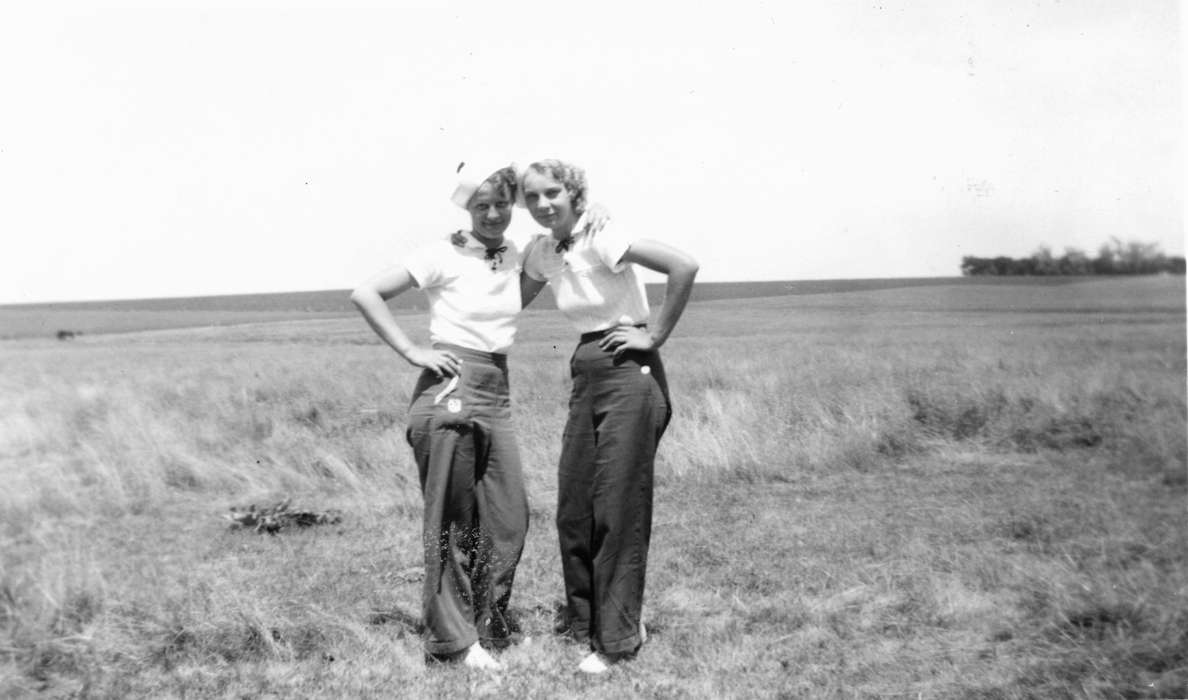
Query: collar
(579, 230)
(468, 241)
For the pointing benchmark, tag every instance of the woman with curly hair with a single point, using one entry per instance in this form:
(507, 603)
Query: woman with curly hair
(619, 406)
(459, 423)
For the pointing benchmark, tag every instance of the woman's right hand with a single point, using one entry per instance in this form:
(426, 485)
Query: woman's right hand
(440, 362)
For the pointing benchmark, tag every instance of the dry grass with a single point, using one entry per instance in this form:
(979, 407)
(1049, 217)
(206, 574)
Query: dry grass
(889, 493)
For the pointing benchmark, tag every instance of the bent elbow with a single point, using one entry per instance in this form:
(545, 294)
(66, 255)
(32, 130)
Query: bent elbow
(358, 295)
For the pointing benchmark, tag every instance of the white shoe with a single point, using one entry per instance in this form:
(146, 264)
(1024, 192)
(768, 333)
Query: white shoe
(477, 657)
(595, 663)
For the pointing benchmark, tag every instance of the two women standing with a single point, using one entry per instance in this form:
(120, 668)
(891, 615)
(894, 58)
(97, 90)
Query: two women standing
(459, 422)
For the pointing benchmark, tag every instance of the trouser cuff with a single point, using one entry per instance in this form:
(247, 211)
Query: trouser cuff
(627, 645)
(450, 648)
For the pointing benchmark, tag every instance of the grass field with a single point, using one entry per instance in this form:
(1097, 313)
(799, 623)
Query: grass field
(124, 315)
(937, 491)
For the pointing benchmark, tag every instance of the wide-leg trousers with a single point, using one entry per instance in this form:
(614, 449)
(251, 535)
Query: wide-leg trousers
(476, 507)
(618, 411)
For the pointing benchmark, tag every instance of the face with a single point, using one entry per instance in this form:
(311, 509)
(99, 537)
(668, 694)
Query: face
(490, 212)
(549, 202)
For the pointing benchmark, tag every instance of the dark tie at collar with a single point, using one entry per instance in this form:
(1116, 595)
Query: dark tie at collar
(563, 245)
(495, 256)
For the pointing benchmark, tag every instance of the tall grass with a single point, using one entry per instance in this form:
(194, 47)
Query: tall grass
(817, 400)
(119, 452)
(122, 425)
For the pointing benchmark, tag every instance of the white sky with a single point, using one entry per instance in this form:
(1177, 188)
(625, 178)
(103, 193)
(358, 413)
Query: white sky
(208, 150)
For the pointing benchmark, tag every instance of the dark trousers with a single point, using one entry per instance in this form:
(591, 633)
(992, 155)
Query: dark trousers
(476, 508)
(617, 413)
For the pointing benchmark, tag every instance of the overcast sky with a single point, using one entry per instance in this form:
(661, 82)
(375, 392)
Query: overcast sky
(207, 150)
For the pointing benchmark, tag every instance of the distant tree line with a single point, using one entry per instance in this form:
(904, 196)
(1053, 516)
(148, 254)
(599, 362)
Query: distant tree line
(1113, 258)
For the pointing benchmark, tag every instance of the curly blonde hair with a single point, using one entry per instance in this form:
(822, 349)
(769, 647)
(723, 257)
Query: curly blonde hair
(570, 176)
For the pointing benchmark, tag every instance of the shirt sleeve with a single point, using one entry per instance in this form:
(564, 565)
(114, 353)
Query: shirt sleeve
(424, 264)
(611, 244)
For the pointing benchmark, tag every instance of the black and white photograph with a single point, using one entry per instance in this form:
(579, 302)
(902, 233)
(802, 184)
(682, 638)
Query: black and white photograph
(462, 349)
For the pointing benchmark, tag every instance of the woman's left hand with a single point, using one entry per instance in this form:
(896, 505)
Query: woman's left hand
(597, 217)
(624, 338)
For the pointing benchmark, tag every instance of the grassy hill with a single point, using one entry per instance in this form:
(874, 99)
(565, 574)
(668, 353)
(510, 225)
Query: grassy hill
(124, 315)
(942, 491)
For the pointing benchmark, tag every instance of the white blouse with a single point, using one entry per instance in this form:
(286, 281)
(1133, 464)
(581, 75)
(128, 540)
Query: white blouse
(593, 287)
(473, 297)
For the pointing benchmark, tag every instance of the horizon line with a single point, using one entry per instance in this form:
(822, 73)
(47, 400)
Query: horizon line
(324, 290)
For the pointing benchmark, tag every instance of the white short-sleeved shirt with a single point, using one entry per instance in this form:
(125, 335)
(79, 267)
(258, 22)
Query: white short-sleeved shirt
(593, 287)
(473, 296)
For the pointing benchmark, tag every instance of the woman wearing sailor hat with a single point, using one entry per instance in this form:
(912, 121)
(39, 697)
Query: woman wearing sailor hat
(459, 422)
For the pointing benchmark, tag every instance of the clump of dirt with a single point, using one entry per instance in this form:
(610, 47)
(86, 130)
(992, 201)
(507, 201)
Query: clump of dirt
(272, 519)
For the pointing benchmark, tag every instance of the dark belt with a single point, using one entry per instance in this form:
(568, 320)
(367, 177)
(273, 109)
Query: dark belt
(595, 335)
(498, 359)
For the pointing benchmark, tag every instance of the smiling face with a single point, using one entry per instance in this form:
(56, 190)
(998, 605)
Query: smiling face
(490, 211)
(550, 202)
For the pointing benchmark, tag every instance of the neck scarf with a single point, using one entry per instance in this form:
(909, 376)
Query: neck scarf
(495, 256)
